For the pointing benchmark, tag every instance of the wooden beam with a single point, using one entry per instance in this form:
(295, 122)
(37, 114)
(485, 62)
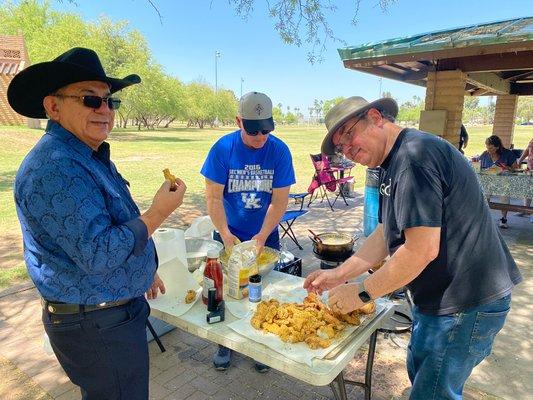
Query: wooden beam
(481, 92)
(377, 71)
(490, 81)
(515, 51)
(522, 89)
(417, 75)
(489, 62)
(515, 75)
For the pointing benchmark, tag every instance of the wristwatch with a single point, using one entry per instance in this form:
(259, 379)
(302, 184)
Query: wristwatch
(363, 294)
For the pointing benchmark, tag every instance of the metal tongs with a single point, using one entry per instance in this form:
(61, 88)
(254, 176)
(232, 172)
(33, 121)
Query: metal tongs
(315, 238)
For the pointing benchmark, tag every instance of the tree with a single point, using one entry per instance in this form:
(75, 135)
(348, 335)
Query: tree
(277, 114)
(317, 105)
(201, 104)
(524, 112)
(290, 118)
(303, 21)
(409, 112)
(328, 104)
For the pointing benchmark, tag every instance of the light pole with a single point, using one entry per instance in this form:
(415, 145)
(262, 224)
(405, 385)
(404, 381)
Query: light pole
(380, 83)
(242, 80)
(217, 56)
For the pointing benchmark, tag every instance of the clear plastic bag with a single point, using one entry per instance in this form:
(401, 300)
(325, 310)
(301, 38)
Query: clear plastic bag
(241, 264)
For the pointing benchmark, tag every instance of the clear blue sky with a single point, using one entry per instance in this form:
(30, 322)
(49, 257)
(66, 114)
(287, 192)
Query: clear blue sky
(191, 32)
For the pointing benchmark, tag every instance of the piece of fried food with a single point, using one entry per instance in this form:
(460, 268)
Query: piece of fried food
(171, 178)
(368, 308)
(190, 296)
(311, 322)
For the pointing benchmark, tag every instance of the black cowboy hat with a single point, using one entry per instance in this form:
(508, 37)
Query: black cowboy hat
(30, 86)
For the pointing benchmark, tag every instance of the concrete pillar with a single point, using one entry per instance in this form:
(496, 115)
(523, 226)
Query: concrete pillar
(445, 90)
(504, 117)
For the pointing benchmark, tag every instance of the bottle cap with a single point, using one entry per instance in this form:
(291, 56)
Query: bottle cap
(213, 253)
(255, 278)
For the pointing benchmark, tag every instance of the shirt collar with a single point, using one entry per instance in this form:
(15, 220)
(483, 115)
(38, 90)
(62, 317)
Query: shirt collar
(55, 129)
(394, 149)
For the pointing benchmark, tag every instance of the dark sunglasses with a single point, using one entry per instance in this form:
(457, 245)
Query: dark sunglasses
(263, 132)
(95, 101)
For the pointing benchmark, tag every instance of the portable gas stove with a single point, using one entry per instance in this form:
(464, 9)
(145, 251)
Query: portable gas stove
(331, 262)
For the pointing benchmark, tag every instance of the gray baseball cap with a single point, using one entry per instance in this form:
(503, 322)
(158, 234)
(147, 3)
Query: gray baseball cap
(255, 110)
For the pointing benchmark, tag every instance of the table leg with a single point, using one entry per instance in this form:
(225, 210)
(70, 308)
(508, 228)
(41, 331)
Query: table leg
(367, 385)
(338, 387)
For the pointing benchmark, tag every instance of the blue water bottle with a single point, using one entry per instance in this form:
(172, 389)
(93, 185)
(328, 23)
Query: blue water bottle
(370, 220)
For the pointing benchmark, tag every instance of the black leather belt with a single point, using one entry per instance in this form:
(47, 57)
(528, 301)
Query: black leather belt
(65, 308)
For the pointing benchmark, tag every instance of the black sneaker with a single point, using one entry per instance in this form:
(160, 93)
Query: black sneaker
(261, 368)
(222, 358)
(503, 223)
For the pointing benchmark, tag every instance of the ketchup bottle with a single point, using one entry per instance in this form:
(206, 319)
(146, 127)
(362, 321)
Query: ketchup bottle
(212, 275)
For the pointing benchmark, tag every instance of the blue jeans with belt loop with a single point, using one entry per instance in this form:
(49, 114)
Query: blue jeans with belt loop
(445, 348)
(104, 352)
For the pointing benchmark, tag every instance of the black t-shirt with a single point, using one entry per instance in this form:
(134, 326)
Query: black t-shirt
(425, 181)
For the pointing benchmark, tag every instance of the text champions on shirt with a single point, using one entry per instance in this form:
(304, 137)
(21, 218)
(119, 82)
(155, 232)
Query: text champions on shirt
(251, 179)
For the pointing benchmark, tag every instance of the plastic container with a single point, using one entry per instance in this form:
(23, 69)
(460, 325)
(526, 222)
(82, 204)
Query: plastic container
(371, 204)
(212, 276)
(255, 288)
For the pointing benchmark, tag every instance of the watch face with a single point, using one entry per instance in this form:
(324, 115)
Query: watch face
(364, 296)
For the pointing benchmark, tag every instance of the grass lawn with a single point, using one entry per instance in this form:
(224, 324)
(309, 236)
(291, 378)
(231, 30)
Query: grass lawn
(141, 156)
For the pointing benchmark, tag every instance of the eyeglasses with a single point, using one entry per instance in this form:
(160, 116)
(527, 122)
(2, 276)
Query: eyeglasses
(95, 101)
(347, 134)
(262, 132)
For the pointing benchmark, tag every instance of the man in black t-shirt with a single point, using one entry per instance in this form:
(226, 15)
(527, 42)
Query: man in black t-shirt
(437, 228)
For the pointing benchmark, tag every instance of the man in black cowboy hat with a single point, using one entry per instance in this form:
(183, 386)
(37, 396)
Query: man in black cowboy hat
(443, 245)
(87, 247)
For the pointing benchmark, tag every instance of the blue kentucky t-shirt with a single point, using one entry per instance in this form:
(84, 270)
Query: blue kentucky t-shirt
(248, 176)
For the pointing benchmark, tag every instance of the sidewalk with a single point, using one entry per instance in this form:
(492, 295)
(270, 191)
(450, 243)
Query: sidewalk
(185, 370)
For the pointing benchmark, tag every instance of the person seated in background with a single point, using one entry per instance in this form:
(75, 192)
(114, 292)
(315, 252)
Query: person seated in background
(527, 153)
(497, 155)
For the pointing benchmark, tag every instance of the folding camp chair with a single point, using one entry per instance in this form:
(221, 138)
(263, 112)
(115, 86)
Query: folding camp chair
(324, 180)
(291, 216)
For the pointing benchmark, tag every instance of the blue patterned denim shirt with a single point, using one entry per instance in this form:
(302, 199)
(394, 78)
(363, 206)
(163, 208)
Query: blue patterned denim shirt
(84, 242)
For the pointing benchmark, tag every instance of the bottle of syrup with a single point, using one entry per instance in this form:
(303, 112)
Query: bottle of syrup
(212, 276)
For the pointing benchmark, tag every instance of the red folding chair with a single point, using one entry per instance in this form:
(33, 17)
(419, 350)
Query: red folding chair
(324, 181)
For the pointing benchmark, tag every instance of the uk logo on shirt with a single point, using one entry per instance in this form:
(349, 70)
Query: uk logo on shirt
(250, 200)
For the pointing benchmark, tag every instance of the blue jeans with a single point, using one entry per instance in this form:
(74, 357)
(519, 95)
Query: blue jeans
(104, 352)
(445, 348)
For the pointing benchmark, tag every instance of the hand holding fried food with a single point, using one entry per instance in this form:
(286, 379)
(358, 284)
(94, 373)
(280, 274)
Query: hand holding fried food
(311, 322)
(190, 296)
(169, 177)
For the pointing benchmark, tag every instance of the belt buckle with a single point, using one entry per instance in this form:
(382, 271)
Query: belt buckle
(102, 305)
(47, 306)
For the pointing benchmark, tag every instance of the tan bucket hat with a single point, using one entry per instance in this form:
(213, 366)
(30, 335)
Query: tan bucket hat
(349, 108)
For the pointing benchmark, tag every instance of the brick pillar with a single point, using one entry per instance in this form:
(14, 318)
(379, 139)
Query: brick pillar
(445, 90)
(504, 117)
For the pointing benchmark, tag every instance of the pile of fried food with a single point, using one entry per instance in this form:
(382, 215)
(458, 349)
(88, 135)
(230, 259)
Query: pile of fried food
(311, 322)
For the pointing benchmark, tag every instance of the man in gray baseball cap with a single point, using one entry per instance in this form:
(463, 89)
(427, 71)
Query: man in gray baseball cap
(443, 245)
(248, 175)
(255, 113)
